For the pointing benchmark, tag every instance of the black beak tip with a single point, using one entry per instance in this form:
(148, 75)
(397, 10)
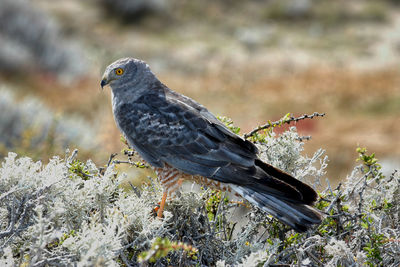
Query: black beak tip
(103, 83)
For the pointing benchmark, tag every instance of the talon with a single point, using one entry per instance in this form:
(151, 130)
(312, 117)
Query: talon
(156, 208)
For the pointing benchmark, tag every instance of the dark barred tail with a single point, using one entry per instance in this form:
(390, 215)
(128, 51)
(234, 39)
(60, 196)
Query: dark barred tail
(296, 215)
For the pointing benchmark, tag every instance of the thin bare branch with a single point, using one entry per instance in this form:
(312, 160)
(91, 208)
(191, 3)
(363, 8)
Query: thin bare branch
(281, 122)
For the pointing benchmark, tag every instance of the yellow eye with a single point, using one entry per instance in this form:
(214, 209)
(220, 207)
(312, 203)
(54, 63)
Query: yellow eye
(119, 71)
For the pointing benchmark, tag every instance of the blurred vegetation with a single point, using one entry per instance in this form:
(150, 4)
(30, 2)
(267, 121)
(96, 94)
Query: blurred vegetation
(31, 41)
(29, 128)
(133, 11)
(250, 60)
(329, 13)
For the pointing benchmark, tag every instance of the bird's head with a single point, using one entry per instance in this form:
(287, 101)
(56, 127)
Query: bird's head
(125, 72)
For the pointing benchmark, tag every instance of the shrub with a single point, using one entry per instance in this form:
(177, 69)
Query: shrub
(70, 212)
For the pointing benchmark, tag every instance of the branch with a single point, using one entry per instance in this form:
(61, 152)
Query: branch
(136, 164)
(285, 120)
(112, 156)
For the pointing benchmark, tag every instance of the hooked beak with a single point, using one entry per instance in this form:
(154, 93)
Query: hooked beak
(104, 82)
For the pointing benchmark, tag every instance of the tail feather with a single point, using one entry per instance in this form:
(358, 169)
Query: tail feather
(274, 191)
(296, 215)
(309, 195)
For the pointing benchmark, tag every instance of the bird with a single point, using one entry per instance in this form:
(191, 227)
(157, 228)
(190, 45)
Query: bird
(180, 139)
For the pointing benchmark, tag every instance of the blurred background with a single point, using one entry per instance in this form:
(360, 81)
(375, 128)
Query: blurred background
(251, 61)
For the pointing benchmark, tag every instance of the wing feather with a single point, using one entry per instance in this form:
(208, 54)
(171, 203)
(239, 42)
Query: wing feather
(189, 138)
(169, 132)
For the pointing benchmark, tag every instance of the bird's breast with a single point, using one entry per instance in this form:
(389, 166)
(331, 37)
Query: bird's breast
(170, 177)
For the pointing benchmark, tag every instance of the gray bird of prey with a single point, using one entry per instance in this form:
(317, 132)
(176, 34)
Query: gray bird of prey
(181, 139)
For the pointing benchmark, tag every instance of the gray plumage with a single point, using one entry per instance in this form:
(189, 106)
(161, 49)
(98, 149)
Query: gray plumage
(165, 127)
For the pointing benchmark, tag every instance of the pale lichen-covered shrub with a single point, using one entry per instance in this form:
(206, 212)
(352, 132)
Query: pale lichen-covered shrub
(72, 213)
(43, 208)
(32, 41)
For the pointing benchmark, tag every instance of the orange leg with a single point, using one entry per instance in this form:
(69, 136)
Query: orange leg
(162, 204)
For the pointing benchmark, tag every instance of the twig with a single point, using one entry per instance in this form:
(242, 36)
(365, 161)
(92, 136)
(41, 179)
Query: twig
(314, 259)
(112, 156)
(134, 189)
(11, 191)
(364, 186)
(304, 138)
(125, 260)
(338, 195)
(219, 212)
(282, 121)
(392, 176)
(136, 164)
(47, 261)
(73, 156)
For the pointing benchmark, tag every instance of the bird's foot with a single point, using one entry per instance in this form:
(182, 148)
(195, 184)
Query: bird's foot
(156, 209)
